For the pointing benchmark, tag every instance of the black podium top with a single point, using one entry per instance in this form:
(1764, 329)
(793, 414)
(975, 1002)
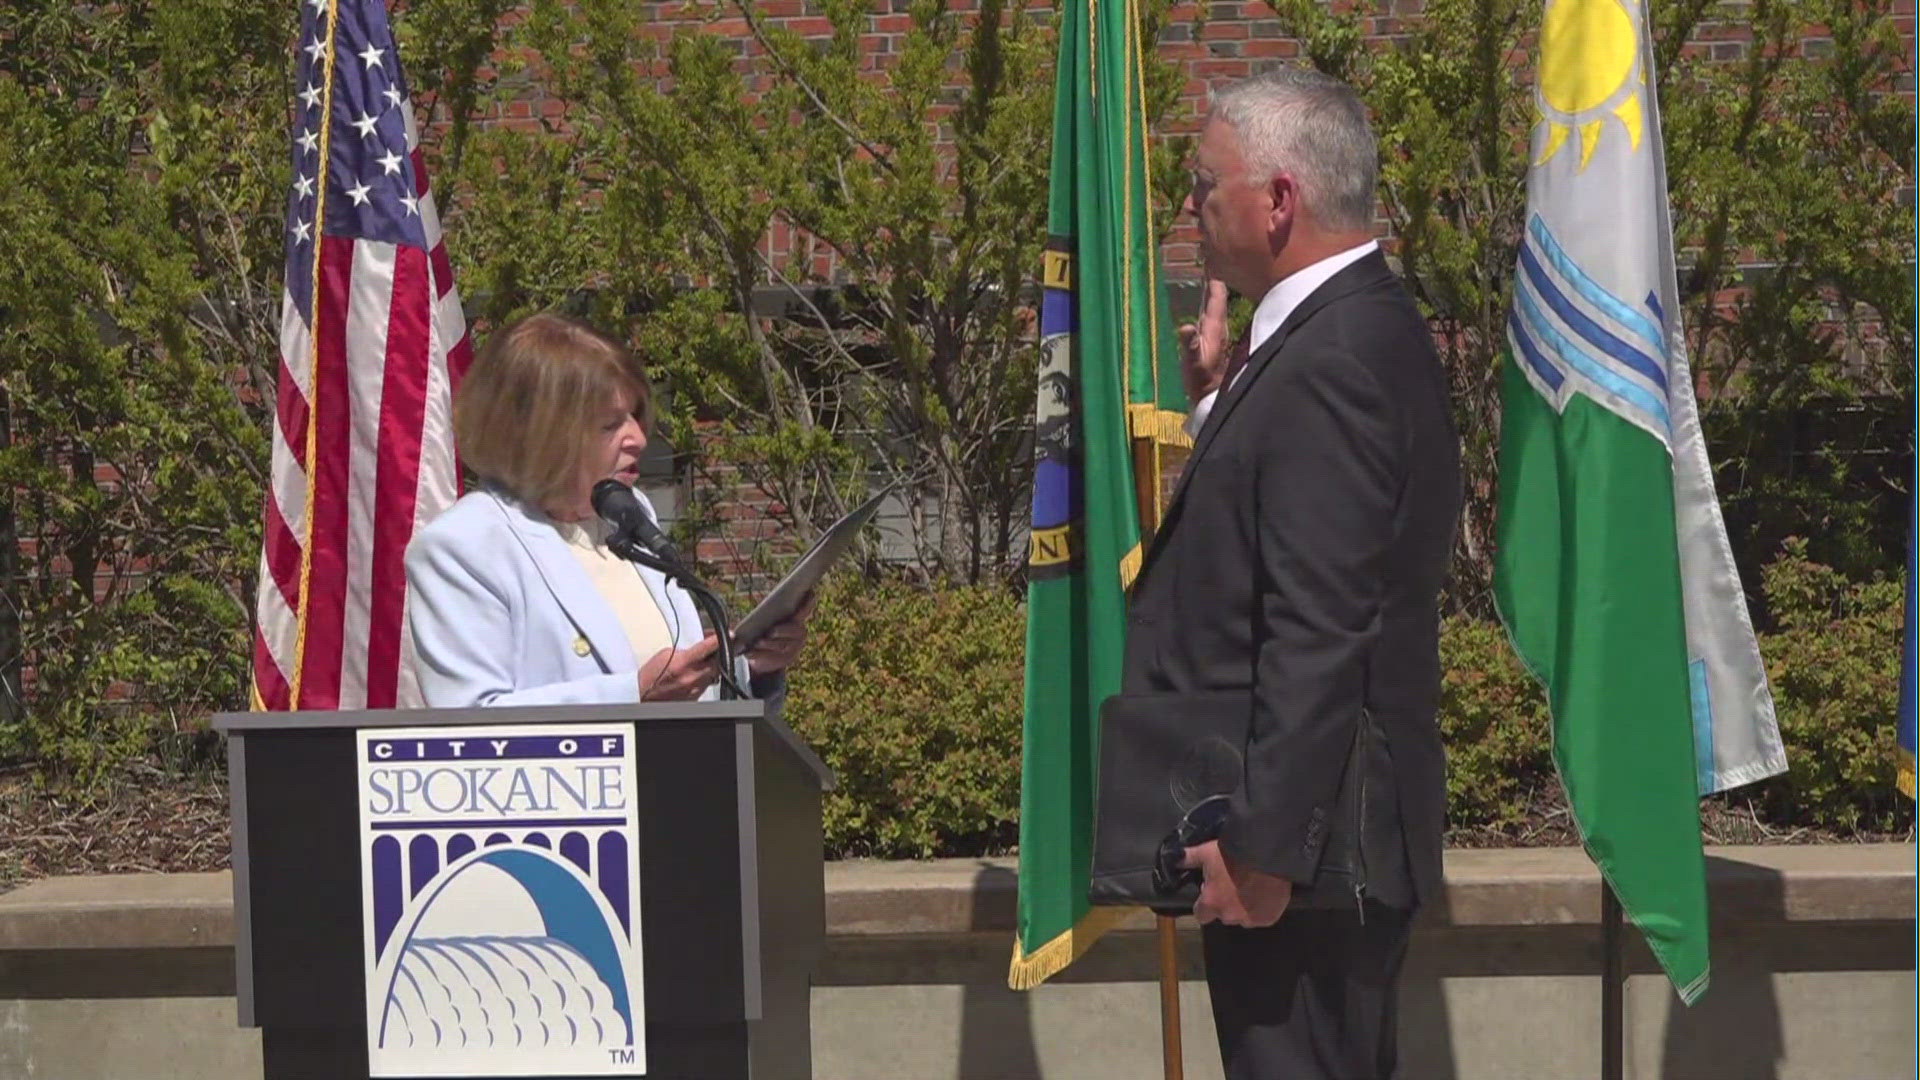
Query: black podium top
(646, 712)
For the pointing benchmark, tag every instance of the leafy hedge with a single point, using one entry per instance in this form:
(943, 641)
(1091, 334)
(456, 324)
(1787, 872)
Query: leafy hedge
(913, 696)
(1835, 668)
(1493, 719)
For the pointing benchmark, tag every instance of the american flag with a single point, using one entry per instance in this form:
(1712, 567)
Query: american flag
(372, 343)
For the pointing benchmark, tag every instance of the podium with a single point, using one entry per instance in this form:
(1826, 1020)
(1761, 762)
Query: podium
(725, 804)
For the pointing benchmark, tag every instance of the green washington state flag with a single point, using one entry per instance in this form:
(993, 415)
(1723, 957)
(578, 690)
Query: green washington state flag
(1107, 365)
(1612, 569)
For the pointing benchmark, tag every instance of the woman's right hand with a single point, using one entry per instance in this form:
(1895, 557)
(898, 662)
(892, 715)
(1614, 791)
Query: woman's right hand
(674, 674)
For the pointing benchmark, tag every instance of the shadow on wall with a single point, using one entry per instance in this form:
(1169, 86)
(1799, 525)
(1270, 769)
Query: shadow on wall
(1426, 1031)
(1734, 1033)
(1735, 1029)
(997, 1039)
(996, 1024)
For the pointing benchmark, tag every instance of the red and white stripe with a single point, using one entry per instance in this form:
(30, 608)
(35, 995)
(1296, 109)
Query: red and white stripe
(362, 457)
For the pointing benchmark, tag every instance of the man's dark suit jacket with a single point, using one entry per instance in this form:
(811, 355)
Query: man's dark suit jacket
(1301, 559)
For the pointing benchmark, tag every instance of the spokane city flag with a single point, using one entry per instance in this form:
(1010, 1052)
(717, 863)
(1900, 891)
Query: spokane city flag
(1103, 321)
(1612, 571)
(372, 343)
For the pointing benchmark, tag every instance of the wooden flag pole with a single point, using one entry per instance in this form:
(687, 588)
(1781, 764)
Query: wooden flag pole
(1149, 487)
(1612, 985)
(1171, 1061)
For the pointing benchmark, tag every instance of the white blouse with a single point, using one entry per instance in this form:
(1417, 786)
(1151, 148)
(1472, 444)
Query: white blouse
(619, 584)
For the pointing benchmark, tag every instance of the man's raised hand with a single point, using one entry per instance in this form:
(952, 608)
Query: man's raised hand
(1203, 345)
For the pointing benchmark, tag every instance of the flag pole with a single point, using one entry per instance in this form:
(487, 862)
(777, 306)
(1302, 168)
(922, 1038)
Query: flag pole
(1612, 984)
(1171, 1061)
(1149, 486)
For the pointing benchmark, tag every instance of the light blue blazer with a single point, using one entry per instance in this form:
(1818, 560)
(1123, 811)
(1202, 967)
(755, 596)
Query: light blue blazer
(502, 613)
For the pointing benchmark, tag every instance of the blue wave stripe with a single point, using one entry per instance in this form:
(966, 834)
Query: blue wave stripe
(1596, 372)
(1541, 366)
(1621, 311)
(1703, 759)
(1592, 332)
(1653, 305)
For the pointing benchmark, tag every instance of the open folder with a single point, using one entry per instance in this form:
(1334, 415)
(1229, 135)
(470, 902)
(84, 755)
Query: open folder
(785, 599)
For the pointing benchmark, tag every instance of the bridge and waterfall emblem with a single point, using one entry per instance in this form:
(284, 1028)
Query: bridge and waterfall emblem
(501, 902)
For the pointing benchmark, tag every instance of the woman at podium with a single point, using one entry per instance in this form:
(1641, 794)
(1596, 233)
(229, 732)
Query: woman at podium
(515, 598)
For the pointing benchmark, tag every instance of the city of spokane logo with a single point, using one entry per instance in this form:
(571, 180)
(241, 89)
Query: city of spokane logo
(501, 901)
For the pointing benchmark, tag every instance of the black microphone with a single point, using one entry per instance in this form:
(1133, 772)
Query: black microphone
(616, 503)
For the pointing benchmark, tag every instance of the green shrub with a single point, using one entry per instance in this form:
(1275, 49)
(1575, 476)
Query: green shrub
(1835, 669)
(913, 697)
(1494, 723)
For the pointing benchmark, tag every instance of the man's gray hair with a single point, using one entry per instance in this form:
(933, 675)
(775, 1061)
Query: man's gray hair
(1297, 120)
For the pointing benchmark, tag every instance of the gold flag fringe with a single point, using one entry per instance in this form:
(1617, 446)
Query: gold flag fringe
(1906, 774)
(1146, 420)
(1029, 970)
(1130, 567)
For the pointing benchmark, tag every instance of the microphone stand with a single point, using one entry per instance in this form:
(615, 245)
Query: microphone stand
(623, 544)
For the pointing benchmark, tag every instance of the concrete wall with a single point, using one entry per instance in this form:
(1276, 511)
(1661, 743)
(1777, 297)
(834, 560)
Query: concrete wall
(130, 978)
(1804, 1004)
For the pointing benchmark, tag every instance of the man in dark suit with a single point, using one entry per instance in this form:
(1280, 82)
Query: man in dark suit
(1300, 560)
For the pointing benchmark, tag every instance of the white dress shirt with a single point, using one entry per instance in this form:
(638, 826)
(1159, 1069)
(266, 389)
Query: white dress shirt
(1274, 308)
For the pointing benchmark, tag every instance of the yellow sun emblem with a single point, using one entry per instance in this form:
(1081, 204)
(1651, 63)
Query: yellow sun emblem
(1589, 70)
